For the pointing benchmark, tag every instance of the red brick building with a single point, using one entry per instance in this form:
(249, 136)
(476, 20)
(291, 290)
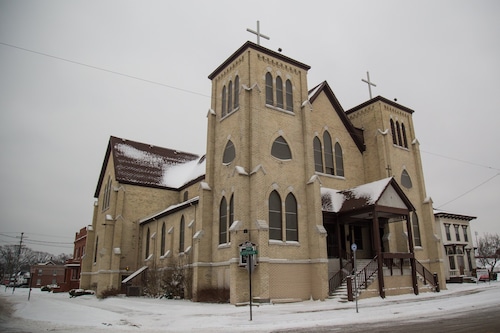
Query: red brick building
(73, 266)
(47, 273)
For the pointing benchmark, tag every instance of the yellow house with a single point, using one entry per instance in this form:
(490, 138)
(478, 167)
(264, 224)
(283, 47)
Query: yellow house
(289, 176)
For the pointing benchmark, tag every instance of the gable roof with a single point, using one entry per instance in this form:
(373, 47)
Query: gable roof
(256, 47)
(356, 133)
(380, 192)
(380, 99)
(146, 165)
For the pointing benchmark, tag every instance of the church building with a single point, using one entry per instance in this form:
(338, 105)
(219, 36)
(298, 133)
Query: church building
(289, 178)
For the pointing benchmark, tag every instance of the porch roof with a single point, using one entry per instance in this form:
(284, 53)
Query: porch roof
(382, 193)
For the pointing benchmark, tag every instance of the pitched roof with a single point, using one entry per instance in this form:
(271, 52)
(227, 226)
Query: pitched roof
(356, 133)
(250, 45)
(151, 166)
(381, 99)
(363, 196)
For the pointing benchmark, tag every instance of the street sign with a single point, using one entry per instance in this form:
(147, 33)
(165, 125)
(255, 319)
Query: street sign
(248, 252)
(354, 247)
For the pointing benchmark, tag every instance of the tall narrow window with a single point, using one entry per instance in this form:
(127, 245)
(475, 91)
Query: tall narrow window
(318, 155)
(181, 235)
(96, 248)
(275, 216)
(289, 96)
(280, 149)
(339, 160)
(224, 101)
(230, 97)
(146, 254)
(405, 140)
(457, 232)
(466, 237)
(269, 89)
(231, 216)
(291, 222)
(328, 151)
(107, 194)
(447, 231)
(279, 92)
(358, 237)
(393, 133)
(416, 229)
(236, 92)
(163, 237)
(229, 153)
(223, 221)
(398, 130)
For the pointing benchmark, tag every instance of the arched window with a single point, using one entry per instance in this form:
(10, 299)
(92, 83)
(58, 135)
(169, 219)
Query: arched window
(339, 160)
(292, 231)
(223, 221)
(269, 89)
(163, 236)
(416, 229)
(229, 153)
(224, 93)
(181, 235)
(147, 244)
(328, 152)
(318, 155)
(279, 92)
(289, 96)
(275, 216)
(230, 97)
(231, 216)
(107, 194)
(398, 130)
(96, 248)
(405, 140)
(393, 132)
(406, 180)
(236, 92)
(280, 149)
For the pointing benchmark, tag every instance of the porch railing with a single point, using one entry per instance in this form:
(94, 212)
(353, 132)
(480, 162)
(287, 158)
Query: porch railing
(364, 274)
(430, 278)
(338, 278)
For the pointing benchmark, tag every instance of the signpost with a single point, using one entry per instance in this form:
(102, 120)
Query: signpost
(354, 248)
(248, 250)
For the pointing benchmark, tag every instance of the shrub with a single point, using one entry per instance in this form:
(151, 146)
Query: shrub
(109, 293)
(213, 295)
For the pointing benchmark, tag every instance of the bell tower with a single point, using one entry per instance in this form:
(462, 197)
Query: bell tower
(258, 165)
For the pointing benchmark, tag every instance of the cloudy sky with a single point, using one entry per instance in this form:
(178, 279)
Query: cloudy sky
(72, 73)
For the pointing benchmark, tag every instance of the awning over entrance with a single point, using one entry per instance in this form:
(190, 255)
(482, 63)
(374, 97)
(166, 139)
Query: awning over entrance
(133, 275)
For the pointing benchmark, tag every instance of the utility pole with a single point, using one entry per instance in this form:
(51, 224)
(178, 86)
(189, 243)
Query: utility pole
(15, 268)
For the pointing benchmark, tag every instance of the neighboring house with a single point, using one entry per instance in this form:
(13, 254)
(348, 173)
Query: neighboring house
(457, 245)
(288, 171)
(73, 265)
(47, 273)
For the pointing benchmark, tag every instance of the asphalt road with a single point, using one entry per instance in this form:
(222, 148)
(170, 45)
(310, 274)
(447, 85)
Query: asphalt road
(483, 321)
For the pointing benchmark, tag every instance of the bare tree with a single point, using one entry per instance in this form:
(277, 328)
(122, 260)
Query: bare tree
(488, 249)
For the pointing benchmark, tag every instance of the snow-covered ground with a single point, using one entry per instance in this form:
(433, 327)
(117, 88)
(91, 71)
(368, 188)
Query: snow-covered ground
(57, 312)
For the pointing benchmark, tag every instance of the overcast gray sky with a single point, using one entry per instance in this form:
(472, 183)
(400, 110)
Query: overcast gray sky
(72, 73)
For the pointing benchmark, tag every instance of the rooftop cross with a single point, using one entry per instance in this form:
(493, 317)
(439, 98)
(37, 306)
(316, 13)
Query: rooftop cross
(370, 84)
(258, 33)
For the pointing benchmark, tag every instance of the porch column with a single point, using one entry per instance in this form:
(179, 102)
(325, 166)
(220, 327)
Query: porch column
(412, 258)
(378, 249)
(339, 243)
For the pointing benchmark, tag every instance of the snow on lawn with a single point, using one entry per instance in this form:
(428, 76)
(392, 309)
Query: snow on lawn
(117, 314)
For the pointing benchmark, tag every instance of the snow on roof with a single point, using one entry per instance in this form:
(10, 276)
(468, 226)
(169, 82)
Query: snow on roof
(333, 200)
(149, 165)
(181, 174)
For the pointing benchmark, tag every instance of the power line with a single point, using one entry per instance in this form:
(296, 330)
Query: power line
(459, 160)
(105, 70)
(472, 189)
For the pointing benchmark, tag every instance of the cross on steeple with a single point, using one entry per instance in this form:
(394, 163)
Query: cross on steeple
(258, 33)
(370, 84)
